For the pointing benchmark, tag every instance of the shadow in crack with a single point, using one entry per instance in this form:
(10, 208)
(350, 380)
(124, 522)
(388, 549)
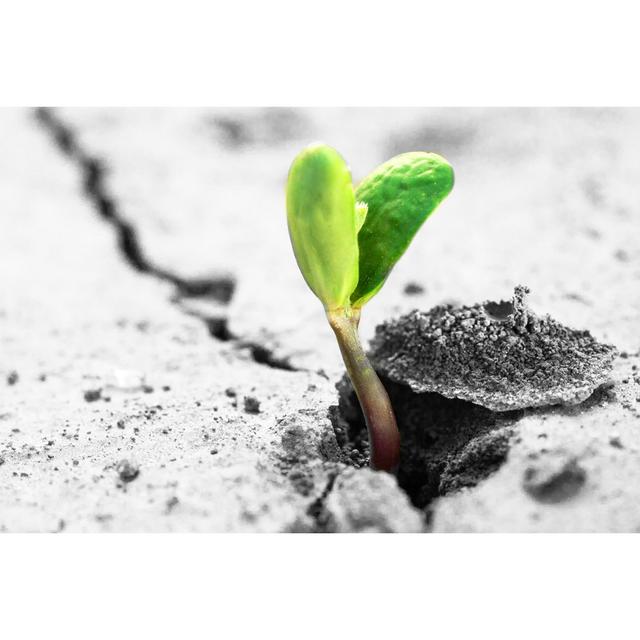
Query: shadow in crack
(218, 288)
(93, 172)
(446, 444)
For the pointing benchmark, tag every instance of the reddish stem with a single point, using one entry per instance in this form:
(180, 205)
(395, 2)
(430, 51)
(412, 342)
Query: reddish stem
(374, 400)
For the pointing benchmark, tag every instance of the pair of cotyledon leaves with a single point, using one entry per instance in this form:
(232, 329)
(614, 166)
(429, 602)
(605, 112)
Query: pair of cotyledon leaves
(347, 240)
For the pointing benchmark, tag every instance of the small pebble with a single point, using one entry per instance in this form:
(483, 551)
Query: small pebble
(251, 404)
(91, 395)
(413, 289)
(127, 471)
(615, 442)
(555, 483)
(171, 504)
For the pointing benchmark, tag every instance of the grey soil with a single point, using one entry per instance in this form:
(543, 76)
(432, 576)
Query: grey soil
(459, 379)
(498, 355)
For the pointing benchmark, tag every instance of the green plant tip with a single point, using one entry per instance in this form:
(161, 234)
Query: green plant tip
(323, 223)
(347, 241)
(400, 195)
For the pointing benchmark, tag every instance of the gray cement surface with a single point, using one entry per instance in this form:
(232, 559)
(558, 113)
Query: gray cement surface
(164, 367)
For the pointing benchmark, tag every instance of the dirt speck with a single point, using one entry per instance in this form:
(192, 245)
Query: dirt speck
(301, 480)
(91, 395)
(615, 442)
(251, 404)
(171, 504)
(413, 289)
(127, 471)
(554, 483)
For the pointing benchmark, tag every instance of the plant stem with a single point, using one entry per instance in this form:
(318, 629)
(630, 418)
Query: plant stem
(374, 400)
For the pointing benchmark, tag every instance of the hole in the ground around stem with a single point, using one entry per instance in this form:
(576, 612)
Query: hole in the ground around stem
(446, 444)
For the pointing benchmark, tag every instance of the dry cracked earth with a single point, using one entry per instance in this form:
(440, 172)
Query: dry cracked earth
(164, 368)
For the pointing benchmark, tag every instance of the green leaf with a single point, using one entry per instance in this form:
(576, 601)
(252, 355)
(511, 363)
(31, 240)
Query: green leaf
(400, 195)
(321, 214)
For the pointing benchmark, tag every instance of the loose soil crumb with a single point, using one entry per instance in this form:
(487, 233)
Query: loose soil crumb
(171, 504)
(127, 471)
(616, 443)
(498, 355)
(413, 289)
(251, 404)
(554, 483)
(91, 395)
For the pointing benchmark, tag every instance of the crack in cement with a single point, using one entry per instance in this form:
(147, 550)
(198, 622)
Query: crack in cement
(217, 288)
(323, 521)
(94, 172)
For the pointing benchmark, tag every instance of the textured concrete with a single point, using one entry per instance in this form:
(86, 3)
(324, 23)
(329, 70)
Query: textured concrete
(219, 403)
(118, 411)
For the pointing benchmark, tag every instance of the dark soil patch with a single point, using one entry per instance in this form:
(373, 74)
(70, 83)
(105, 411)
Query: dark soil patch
(92, 395)
(552, 484)
(127, 471)
(459, 378)
(446, 444)
(251, 404)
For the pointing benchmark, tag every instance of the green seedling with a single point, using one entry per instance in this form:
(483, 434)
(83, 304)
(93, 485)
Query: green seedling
(346, 241)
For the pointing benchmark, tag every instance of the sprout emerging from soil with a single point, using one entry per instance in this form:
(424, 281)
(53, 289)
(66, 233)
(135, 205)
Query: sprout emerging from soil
(346, 240)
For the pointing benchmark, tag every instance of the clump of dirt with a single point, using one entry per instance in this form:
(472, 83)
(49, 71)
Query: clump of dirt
(459, 378)
(553, 483)
(127, 471)
(92, 395)
(413, 289)
(251, 404)
(498, 355)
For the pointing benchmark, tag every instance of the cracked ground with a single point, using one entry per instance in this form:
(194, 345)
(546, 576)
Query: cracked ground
(164, 367)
